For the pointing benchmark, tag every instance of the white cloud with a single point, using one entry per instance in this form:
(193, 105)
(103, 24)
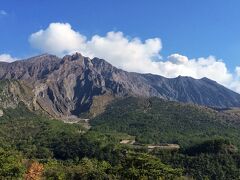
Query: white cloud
(198, 68)
(235, 85)
(178, 59)
(3, 13)
(7, 58)
(132, 54)
(58, 38)
(128, 54)
(237, 70)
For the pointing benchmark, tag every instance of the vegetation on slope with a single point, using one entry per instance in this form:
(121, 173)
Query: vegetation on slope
(31, 144)
(213, 159)
(157, 121)
(34, 146)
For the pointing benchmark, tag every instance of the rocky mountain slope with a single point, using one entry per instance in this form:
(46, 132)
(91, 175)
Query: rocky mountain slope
(74, 84)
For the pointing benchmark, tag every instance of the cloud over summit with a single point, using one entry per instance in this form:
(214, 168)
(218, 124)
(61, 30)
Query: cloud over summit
(58, 39)
(7, 58)
(132, 54)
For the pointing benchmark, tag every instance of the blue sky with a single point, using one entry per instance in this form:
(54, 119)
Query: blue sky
(190, 28)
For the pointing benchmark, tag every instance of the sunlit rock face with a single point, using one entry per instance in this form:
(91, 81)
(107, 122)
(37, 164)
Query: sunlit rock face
(75, 84)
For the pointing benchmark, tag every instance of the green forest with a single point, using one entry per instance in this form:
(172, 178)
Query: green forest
(159, 121)
(33, 146)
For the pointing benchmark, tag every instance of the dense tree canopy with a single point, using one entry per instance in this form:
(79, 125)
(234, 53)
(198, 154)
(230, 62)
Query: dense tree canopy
(158, 121)
(34, 145)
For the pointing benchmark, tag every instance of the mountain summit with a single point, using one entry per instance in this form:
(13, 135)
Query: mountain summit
(75, 84)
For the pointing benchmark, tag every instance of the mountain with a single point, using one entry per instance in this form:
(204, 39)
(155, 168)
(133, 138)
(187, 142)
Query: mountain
(173, 140)
(75, 84)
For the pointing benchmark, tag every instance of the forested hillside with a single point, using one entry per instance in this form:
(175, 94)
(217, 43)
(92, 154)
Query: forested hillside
(32, 145)
(158, 121)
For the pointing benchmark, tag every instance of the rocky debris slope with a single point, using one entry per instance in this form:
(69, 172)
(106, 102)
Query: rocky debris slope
(75, 84)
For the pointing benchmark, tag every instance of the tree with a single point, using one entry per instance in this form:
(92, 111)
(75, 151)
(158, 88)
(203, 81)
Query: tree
(34, 172)
(142, 165)
(11, 165)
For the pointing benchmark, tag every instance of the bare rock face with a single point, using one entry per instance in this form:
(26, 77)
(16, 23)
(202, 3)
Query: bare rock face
(75, 84)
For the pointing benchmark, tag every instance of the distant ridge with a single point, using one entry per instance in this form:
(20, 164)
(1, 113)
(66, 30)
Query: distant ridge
(75, 84)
